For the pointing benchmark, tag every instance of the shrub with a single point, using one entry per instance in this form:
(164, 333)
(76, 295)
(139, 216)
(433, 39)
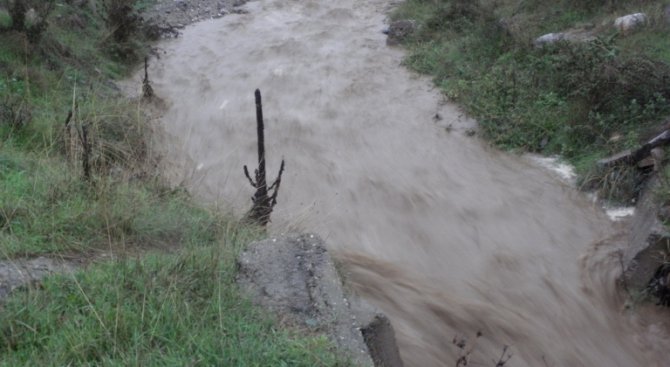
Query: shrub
(14, 113)
(29, 17)
(121, 18)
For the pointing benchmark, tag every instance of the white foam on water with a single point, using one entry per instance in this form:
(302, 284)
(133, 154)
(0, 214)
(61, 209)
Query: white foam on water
(564, 171)
(619, 213)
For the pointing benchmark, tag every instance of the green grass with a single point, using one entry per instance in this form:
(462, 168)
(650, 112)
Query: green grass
(161, 310)
(45, 207)
(580, 101)
(170, 297)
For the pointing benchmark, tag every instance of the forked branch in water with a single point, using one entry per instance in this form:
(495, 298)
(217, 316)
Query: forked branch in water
(466, 347)
(263, 202)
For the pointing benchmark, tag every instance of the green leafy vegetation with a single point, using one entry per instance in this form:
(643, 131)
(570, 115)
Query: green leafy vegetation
(581, 99)
(169, 296)
(45, 206)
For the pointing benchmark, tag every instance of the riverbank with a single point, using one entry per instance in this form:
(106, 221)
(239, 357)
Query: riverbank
(551, 77)
(146, 276)
(564, 78)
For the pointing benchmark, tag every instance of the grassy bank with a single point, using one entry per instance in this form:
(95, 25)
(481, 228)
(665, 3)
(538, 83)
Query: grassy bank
(169, 297)
(176, 310)
(581, 100)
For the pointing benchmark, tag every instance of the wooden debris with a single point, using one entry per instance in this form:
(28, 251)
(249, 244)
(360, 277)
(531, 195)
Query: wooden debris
(634, 157)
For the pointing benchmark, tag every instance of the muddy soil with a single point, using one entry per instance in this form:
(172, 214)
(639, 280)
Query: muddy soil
(443, 233)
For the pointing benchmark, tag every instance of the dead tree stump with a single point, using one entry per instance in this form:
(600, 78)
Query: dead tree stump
(147, 90)
(263, 202)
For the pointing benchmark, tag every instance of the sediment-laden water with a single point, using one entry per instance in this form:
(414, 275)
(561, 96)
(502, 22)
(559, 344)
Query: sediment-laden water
(446, 235)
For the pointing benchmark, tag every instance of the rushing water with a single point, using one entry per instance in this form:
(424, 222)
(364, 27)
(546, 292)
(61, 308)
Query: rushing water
(446, 235)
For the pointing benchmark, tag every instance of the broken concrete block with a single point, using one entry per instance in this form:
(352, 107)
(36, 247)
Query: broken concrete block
(294, 276)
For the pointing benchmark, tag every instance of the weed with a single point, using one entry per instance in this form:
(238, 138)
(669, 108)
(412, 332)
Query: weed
(123, 23)
(29, 16)
(14, 113)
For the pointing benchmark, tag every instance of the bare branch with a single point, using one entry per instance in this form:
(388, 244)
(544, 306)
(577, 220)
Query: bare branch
(68, 119)
(504, 358)
(275, 185)
(246, 173)
(278, 180)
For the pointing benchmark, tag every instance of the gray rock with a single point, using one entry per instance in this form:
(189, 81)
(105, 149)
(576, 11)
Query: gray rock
(648, 240)
(568, 36)
(294, 276)
(181, 5)
(629, 23)
(22, 272)
(399, 31)
(548, 39)
(664, 214)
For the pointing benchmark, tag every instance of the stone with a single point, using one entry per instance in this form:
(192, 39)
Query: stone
(23, 272)
(548, 39)
(649, 239)
(399, 31)
(666, 14)
(646, 262)
(575, 35)
(295, 277)
(629, 23)
(182, 5)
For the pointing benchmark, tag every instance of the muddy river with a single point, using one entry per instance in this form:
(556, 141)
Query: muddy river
(445, 234)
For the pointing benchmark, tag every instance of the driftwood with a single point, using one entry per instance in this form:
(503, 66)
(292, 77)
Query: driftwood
(633, 157)
(263, 202)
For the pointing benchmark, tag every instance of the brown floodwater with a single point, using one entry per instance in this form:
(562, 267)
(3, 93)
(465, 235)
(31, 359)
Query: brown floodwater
(445, 234)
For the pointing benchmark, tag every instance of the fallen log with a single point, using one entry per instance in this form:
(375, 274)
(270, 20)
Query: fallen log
(633, 157)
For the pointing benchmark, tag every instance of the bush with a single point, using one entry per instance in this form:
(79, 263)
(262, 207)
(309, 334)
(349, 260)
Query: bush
(29, 17)
(14, 113)
(121, 18)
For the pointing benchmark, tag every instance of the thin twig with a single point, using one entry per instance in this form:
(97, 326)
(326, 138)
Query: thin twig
(504, 358)
(246, 173)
